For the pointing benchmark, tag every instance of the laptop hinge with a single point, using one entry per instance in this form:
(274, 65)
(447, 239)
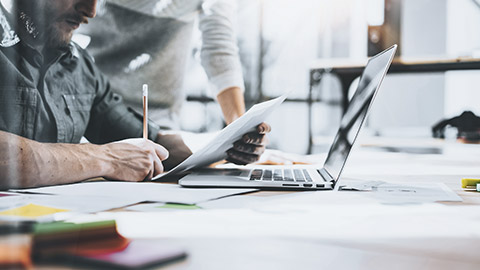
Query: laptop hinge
(327, 177)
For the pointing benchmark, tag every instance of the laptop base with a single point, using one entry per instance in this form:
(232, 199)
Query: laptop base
(242, 178)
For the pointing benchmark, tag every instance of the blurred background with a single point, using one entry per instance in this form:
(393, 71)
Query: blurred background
(280, 40)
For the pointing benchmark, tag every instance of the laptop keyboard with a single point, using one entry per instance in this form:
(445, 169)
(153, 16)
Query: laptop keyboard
(288, 175)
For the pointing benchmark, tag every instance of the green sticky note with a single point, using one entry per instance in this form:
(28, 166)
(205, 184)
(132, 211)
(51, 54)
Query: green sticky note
(66, 227)
(179, 206)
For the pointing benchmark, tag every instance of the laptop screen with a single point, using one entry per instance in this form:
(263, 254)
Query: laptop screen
(356, 113)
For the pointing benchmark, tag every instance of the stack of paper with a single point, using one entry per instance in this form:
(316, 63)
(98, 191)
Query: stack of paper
(58, 202)
(138, 192)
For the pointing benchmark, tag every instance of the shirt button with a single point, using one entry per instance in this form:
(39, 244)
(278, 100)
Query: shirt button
(67, 111)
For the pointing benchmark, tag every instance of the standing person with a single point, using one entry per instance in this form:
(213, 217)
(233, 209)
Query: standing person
(149, 41)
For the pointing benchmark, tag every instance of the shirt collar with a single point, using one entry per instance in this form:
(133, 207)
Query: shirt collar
(8, 36)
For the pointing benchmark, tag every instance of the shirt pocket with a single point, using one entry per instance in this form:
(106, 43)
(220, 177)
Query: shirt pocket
(18, 107)
(78, 107)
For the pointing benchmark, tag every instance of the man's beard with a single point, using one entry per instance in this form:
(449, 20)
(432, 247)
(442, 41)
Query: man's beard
(58, 32)
(55, 38)
(45, 23)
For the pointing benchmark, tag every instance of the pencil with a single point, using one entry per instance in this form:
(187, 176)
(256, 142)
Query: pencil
(145, 111)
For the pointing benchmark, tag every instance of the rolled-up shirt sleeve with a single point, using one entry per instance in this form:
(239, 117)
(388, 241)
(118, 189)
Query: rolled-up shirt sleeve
(110, 119)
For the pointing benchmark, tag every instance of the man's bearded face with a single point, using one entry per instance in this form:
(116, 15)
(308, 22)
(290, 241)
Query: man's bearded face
(55, 20)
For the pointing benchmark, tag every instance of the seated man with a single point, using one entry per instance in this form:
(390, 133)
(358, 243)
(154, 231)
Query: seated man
(52, 94)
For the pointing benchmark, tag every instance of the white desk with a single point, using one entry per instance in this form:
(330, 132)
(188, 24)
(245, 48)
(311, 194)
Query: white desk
(333, 230)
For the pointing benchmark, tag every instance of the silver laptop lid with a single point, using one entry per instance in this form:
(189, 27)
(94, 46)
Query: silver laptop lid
(357, 110)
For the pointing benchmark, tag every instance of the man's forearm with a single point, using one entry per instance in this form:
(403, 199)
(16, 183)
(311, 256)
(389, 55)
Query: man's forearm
(27, 163)
(232, 103)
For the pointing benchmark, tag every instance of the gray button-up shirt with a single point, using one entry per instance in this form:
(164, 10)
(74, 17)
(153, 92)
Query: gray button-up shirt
(60, 101)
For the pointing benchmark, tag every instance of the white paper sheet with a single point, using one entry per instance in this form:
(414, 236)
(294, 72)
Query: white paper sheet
(402, 193)
(217, 148)
(139, 192)
(237, 202)
(414, 193)
(73, 204)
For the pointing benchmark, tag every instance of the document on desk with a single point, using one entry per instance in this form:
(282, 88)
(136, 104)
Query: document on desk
(216, 149)
(138, 192)
(415, 193)
(403, 193)
(42, 207)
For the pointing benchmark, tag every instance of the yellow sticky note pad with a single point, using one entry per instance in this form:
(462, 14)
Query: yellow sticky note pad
(32, 211)
(470, 183)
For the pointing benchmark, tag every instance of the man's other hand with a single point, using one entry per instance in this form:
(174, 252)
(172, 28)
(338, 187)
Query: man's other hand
(179, 151)
(135, 159)
(250, 147)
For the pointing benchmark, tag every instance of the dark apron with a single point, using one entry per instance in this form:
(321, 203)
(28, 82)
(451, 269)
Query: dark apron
(132, 49)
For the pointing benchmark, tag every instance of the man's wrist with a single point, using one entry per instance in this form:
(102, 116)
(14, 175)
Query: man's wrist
(93, 160)
(104, 164)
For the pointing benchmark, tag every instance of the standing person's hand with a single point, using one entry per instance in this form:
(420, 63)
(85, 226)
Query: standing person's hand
(250, 147)
(134, 159)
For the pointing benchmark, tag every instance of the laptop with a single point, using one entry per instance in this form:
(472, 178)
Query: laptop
(307, 178)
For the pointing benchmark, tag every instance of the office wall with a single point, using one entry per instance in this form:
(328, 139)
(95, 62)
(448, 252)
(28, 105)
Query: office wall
(295, 32)
(410, 104)
(431, 29)
(462, 89)
(290, 36)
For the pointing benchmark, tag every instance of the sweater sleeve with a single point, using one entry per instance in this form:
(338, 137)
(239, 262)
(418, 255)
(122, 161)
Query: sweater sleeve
(219, 54)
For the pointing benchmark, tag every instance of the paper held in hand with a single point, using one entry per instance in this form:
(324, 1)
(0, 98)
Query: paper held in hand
(216, 150)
